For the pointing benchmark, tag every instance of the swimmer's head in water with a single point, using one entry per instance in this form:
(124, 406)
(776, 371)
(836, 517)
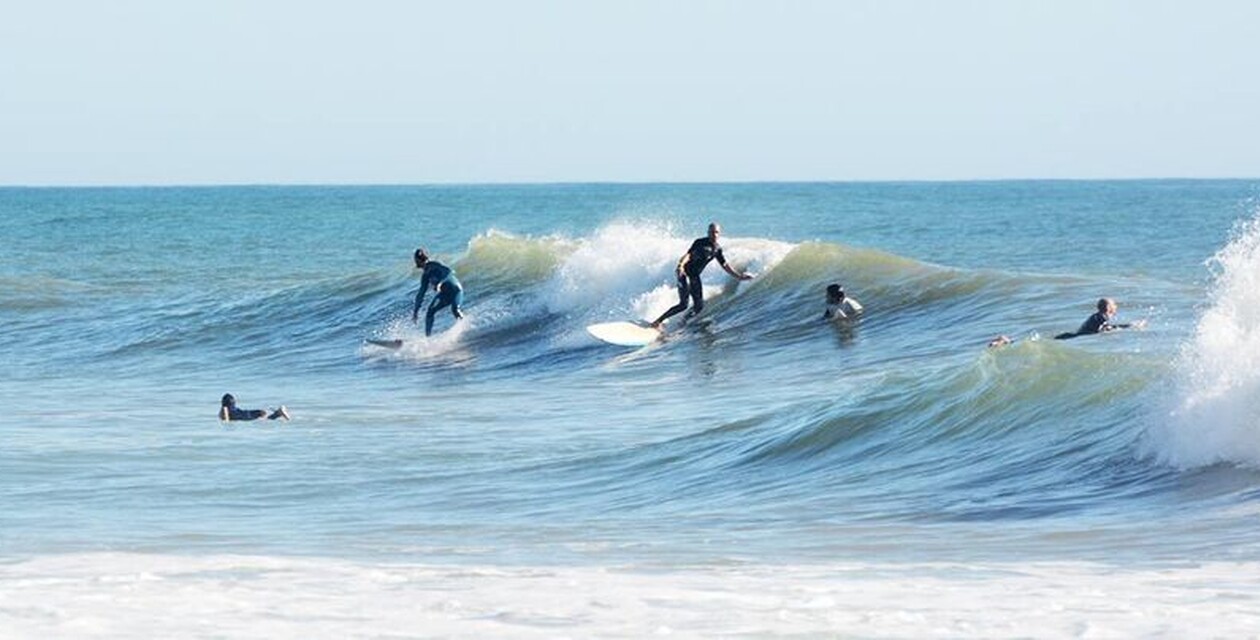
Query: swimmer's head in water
(834, 293)
(228, 400)
(1106, 305)
(420, 257)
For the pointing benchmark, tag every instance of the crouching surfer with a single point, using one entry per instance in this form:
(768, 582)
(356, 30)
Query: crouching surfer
(688, 270)
(449, 291)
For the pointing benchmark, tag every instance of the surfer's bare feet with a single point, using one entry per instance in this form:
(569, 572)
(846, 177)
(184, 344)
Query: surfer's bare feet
(283, 412)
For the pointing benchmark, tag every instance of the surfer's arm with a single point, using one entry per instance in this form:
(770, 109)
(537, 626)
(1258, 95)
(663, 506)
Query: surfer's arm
(736, 274)
(224, 414)
(424, 288)
(415, 308)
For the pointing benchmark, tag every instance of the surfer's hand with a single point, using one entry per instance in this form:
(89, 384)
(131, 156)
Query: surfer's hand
(745, 276)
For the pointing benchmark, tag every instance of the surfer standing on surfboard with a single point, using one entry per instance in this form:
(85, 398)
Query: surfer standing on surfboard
(442, 279)
(689, 268)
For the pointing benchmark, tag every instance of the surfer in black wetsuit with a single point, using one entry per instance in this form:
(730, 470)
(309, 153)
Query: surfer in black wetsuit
(1100, 322)
(689, 268)
(229, 412)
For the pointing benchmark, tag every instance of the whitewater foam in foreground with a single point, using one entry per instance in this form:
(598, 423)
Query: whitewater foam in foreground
(131, 595)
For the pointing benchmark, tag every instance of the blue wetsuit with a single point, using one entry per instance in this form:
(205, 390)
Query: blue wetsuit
(449, 292)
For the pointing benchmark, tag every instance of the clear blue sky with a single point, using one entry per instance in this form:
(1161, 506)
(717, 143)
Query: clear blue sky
(280, 91)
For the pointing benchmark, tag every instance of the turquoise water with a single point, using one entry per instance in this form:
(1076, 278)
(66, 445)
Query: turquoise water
(759, 434)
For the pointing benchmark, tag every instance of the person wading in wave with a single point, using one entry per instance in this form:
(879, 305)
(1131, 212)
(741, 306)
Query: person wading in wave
(443, 281)
(840, 305)
(689, 268)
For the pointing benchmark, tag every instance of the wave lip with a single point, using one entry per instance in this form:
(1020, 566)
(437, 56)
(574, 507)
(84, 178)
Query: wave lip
(1215, 415)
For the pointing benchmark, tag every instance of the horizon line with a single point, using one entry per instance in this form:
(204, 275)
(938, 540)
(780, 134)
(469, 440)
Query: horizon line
(540, 183)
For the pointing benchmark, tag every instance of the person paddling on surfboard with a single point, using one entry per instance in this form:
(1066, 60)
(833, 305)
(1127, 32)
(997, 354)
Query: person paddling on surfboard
(1101, 322)
(442, 279)
(689, 268)
(229, 412)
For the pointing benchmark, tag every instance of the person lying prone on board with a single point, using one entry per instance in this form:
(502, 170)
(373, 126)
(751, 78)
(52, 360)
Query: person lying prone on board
(229, 412)
(1101, 322)
(839, 305)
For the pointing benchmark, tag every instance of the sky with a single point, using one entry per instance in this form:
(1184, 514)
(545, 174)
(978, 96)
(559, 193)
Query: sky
(136, 92)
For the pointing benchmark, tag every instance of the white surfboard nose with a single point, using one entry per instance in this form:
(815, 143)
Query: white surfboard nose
(624, 334)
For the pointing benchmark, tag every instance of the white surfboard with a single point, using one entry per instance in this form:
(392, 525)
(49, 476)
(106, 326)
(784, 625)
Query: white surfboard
(625, 334)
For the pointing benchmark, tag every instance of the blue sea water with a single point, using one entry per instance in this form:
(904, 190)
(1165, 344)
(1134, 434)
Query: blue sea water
(758, 435)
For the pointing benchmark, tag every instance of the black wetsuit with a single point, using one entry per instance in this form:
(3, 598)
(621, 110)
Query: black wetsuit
(237, 415)
(1096, 323)
(702, 252)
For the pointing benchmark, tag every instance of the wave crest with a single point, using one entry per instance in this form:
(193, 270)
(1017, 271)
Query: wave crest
(1215, 415)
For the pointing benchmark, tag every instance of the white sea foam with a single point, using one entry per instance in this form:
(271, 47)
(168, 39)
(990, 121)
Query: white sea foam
(152, 596)
(628, 268)
(1216, 411)
(445, 345)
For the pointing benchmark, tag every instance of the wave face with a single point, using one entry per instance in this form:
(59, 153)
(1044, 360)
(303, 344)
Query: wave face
(755, 432)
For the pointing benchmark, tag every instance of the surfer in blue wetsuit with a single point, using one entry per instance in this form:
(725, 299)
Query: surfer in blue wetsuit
(444, 282)
(229, 412)
(690, 266)
(1101, 322)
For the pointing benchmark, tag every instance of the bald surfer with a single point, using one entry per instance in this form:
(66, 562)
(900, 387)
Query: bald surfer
(689, 268)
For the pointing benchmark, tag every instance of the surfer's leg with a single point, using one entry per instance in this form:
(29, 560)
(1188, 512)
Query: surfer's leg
(678, 308)
(440, 301)
(457, 301)
(696, 290)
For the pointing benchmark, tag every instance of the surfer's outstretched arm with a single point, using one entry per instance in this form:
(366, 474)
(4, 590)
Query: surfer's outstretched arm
(738, 275)
(424, 287)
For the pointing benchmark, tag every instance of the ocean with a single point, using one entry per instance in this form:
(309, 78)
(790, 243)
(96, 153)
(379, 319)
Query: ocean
(760, 472)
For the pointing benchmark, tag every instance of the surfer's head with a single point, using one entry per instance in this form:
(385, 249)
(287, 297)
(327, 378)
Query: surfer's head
(715, 230)
(834, 293)
(1107, 306)
(228, 400)
(421, 258)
